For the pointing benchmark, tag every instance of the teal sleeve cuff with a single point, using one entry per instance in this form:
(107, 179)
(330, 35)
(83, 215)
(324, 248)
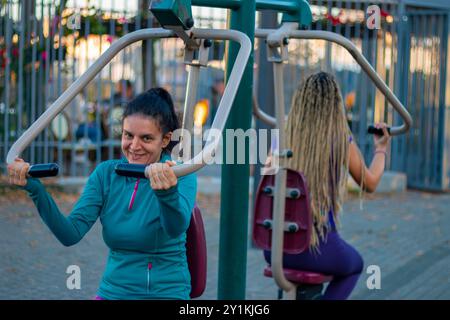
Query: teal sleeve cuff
(163, 193)
(33, 185)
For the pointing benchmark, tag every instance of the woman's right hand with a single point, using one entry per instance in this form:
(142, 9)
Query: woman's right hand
(17, 172)
(381, 142)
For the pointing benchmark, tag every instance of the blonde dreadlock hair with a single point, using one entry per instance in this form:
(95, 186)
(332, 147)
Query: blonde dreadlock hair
(318, 134)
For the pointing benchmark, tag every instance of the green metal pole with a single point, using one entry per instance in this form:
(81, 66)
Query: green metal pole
(226, 4)
(235, 177)
(277, 5)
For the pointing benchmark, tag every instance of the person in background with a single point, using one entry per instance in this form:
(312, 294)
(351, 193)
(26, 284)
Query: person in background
(124, 92)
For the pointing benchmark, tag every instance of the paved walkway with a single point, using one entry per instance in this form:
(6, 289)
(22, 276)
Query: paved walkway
(406, 235)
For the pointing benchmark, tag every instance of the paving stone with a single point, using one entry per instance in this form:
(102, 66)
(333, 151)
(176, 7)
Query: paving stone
(406, 234)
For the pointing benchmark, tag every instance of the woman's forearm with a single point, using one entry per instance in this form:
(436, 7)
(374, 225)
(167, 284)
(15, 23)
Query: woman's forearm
(61, 226)
(377, 168)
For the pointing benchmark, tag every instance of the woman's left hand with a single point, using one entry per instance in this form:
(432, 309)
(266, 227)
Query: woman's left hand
(381, 142)
(162, 176)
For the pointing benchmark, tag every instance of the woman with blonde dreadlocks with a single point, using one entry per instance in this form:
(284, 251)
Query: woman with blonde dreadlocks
(318, 134)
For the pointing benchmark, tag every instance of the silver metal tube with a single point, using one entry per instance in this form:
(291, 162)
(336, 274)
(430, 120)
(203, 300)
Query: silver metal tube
(261, 115)
(191, 96)
(222, 113)
(360, 59)
(206, 156)
(44, 120)
(275, 39)
(189, 103)
(280, 186)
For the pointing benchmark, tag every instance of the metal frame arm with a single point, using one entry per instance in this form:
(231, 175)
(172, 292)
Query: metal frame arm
(222, 113)
(280, 185)
(261, 115)
(208, 152)
(44, 120)
(360, 59)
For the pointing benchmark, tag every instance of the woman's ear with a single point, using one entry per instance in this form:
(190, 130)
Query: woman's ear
(166, 139)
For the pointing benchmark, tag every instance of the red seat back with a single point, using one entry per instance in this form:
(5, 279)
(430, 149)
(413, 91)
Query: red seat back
(196, 253)
(297, 211)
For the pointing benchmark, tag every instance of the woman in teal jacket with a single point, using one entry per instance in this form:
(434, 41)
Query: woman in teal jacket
(144, 225)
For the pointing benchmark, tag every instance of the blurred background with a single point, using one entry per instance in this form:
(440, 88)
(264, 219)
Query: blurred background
(45, 45)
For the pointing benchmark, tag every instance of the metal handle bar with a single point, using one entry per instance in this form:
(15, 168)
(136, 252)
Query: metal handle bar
(359, 58)
(222, 113)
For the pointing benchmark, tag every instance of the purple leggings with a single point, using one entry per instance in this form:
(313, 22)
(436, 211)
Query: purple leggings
(336, 258)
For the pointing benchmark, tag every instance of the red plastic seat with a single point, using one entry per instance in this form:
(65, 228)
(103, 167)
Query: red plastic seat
(300, 276)
(196, 253)
(297, 211)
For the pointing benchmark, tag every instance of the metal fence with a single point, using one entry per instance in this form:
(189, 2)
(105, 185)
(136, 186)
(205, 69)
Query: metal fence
(43, 49)
(409, 51)
(364, 104)
(422, 152)
(46, 44)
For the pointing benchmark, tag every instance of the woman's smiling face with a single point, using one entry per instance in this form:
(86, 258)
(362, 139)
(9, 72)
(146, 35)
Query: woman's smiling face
(142, 139)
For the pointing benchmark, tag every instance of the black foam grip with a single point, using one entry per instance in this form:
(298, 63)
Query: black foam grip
(377, 131)
(131, 170)
(43, 170)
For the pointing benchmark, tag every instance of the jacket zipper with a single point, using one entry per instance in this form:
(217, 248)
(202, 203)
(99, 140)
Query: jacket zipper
(149, 267)
(130, 205)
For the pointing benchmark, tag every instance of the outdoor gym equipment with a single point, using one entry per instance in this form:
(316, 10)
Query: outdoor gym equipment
(294, 11)
(176, 18)
(195, 36)
(282, 213)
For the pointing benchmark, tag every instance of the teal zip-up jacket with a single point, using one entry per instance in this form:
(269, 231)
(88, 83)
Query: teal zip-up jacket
(147, 257)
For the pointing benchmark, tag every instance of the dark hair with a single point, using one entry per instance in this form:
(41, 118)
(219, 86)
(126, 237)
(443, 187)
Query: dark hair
(157, 104)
